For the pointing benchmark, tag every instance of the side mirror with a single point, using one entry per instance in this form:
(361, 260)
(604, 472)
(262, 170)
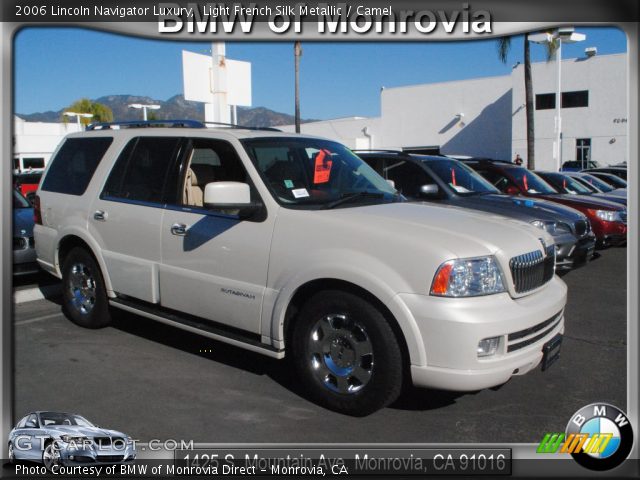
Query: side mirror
(391, 182)
(511, 190)
(429, 191)
(232, 197)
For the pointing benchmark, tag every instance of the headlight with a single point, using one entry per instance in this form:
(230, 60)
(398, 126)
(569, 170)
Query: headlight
(468, 277)
(550, 227)
(608, 215)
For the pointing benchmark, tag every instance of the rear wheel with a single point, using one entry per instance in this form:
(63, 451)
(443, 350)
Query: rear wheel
(85, 297)
(346, 354)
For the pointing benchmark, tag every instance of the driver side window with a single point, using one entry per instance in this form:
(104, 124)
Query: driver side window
(407, 177)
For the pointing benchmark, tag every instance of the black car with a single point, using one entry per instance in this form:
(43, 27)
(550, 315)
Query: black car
(613, 180)
(564, 183)
(423, 178)
(617, 171)
(577, 165)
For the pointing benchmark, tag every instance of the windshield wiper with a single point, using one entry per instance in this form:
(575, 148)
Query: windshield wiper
(347, 197)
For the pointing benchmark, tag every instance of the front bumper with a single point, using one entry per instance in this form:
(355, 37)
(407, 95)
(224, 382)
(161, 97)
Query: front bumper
(577, 254)
(24, 261)
(451, 329)
(96, 456)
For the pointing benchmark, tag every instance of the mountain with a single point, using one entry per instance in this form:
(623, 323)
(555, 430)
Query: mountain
(174, 108)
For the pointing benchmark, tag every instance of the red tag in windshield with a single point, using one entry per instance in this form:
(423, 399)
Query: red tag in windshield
(526, 185)
(322, 168)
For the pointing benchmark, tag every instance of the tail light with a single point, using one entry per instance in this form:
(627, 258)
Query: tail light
(37, 215)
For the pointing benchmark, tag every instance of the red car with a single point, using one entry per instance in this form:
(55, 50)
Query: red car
(27, 184)
(608, 219)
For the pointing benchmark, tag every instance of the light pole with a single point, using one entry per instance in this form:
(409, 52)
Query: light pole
(144, 108)
(560, 36)
(78, 116)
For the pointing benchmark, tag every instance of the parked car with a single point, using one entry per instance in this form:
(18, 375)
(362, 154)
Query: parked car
(447, 181)
(608, 219)
(617, 171)
(577, 165)
(27, 184)
(24, 253)
(64, 439)
(596, 185)
(613, 180)
(282, 243)
(566, 184)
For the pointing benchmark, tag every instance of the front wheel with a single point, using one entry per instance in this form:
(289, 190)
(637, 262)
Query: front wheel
(50, 456)
(85, 297)
(346, 354)
(12, 454)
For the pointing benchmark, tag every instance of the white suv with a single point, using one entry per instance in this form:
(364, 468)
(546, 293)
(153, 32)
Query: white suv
(277, 242)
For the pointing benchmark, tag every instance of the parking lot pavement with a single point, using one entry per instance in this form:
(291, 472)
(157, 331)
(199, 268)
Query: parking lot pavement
(156, 382)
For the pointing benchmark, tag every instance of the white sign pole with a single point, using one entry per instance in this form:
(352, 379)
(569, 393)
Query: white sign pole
(220, 108)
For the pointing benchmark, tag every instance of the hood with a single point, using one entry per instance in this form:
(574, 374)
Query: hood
(83, 431)
(460, 231)
(584, 201)
(610, 196)
(23, 222)
(525, 209)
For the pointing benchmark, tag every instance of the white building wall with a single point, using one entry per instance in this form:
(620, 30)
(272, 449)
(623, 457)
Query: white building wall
(354, 132)
(426, 116)
(604, 121)
(39, 139)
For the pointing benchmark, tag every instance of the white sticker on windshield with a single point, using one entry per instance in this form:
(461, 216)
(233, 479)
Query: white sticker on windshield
(459, 188)
(531, 190)
(300, 192)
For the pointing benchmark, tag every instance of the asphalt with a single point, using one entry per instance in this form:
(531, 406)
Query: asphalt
(156, 382)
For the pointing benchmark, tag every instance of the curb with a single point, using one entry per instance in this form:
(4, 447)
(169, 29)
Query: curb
(36, 293)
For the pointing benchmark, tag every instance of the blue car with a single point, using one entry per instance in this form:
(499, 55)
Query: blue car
(24, 252)
(66, 439)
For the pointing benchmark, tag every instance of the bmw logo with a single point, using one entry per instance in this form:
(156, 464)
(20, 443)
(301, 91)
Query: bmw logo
(608, 434)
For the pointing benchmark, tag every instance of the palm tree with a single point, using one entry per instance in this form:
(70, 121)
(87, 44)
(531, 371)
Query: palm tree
(297, 51)
(504, 45)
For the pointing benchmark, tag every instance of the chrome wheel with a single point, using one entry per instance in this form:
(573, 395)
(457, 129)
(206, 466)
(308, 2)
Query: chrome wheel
(50, 456)
(82, 287)
(12, 455)
(341, 353)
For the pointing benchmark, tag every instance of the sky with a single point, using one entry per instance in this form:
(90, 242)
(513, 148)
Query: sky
(56, 66)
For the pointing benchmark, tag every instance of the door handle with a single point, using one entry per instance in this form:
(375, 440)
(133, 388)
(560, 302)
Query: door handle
(100, 215)
(179, 229)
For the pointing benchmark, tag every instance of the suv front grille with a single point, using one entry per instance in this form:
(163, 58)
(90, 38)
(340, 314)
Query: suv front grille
(532, 270)
(529, 336)
(582, 227)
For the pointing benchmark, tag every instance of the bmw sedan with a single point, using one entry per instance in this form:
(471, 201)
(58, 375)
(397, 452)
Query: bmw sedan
(56, 438)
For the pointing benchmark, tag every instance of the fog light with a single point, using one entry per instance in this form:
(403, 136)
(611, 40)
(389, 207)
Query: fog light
(488, 346)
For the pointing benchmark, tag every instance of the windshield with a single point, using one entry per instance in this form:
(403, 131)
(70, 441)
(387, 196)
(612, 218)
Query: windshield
(461, 178)
(596, 182)
(617, 182)
(566, 184)
(530, 182)
(19, 201)
(56, 418)
(314, 173)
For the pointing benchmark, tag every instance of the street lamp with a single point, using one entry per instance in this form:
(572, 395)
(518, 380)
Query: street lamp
(144, 108)
(78, 116)
(561, 35)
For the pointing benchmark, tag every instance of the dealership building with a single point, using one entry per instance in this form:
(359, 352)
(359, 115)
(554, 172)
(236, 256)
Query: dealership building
(485, 117)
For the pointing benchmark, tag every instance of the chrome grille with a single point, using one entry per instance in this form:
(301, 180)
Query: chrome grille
(582, 227)
(532, 270)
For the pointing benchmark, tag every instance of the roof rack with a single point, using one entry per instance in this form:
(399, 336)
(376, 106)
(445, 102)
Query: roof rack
(170, 123)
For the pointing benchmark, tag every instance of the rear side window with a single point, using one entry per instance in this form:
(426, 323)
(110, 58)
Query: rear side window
(72, 168)
(143, 169)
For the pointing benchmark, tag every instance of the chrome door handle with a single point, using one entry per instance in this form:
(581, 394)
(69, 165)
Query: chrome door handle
(100, 215)
(179, 229)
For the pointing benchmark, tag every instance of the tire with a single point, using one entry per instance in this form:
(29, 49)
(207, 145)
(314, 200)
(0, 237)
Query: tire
(84, 294)
(50, 456)
(345, 353)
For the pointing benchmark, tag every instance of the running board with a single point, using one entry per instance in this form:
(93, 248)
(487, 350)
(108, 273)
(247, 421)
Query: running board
(197, 325)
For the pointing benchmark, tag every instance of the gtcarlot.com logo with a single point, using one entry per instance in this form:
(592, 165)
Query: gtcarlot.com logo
(598, 437)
